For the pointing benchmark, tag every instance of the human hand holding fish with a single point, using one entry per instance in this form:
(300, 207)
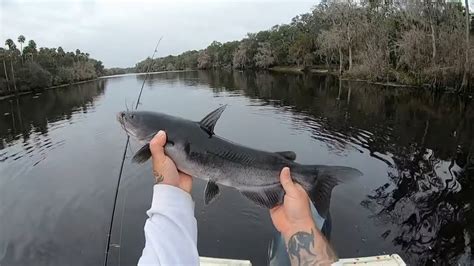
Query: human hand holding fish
(164, 169)
(294, 214)
(306, 245)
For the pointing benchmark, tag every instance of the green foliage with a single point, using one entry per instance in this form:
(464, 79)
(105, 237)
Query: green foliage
(415, 42)
(264, 57)
(118, 71)
(33, 76)
(33, 68)
(64, 75)
(186, 60)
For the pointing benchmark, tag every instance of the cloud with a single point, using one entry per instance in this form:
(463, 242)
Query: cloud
(120, 33)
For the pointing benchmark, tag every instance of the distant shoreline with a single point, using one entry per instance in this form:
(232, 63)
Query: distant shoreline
(277, 69)
(4, 97)
(13, 94)
(144, 73)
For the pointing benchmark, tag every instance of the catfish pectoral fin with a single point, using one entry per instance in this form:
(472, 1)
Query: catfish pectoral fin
(267, 197)
(211, 192)
(142, 155)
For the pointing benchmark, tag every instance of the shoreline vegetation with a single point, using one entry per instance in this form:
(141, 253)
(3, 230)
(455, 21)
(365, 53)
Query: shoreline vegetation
(29, 69)
(404, 42)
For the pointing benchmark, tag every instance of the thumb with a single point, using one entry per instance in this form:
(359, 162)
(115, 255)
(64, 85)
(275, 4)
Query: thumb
(156, 147)
(287, 182)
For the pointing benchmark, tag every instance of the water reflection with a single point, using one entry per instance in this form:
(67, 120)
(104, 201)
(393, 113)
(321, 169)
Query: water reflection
(34, 115)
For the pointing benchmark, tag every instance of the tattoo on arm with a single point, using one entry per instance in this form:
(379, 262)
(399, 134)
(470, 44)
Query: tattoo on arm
(158, 177)
(302, 249)
(299, 242)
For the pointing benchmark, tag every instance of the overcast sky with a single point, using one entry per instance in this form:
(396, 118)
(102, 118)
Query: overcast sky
(120, 33)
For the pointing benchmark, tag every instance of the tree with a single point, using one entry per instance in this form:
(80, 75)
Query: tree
(30, 50)
(21, 40)
(204, 60)
(245, 53)
(11, 54)
(331, 42)
(12, 71)
(300, 51)
(226, 53)
(264, 56)
(465, 78)
(346, 18)
(241, 59)
(61, 51)
(3, 54)
(35, 77)
(213, 52)
(11, 45)
(32, 46)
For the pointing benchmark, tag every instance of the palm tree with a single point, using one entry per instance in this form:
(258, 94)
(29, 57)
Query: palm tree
(465, 78)
(30, 50)
(13, 72)
(11, 45)
(61, 51)
(3, 54)
(21, 40)
(32, 44)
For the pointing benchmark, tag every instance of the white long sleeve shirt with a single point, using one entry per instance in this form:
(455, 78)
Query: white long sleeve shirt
(171, 229)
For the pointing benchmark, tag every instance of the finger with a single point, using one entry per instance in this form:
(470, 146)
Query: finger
(156, 147)
(287, 182)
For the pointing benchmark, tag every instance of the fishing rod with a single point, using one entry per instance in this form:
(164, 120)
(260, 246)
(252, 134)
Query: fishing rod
(123, 158)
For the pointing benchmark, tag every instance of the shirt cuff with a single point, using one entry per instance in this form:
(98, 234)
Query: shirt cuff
(167, 198)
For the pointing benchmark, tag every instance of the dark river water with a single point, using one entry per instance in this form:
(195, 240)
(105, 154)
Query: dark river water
(60, 153)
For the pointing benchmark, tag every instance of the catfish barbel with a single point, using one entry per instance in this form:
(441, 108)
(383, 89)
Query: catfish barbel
(198, 152)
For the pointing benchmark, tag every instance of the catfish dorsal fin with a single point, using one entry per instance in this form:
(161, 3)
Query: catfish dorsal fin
(290, 155)
(209, 122)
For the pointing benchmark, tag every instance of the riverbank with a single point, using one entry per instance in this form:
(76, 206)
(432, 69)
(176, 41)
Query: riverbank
(325, 71)
(302, 70)
(3, 97)
(11, 95)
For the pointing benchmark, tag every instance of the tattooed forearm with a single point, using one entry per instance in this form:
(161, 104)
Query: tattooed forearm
(303, 249)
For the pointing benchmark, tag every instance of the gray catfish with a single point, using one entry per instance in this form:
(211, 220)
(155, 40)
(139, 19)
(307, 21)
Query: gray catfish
(198, 152)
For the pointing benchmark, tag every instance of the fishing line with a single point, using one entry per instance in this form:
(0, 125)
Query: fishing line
(123, 159)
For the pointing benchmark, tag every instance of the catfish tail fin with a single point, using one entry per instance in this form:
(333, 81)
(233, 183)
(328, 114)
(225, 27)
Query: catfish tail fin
(324, 179)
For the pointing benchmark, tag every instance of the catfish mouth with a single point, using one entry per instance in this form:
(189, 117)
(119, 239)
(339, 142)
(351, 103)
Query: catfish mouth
(126, 124)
